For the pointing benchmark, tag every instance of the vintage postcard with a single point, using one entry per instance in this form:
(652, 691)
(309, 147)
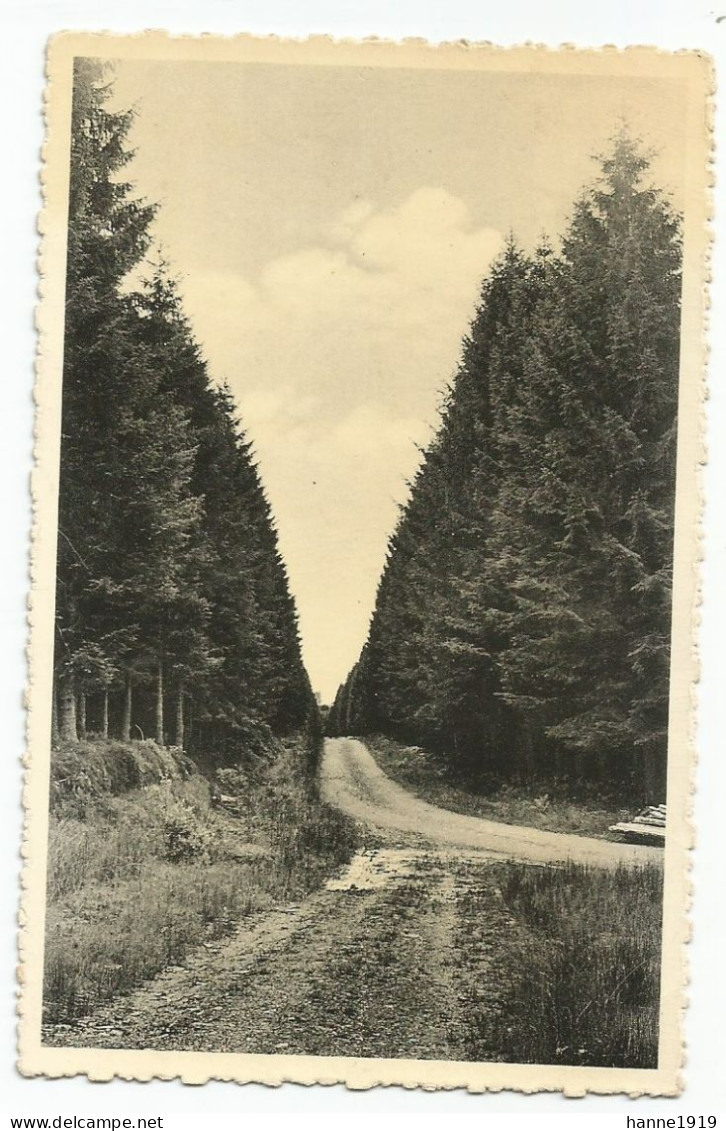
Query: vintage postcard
(365, 563)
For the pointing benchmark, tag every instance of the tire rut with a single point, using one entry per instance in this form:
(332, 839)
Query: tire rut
(350, 972)
(370, 966)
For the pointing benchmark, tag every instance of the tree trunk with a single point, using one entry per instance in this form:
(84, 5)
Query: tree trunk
(602, 763)
(179, 736)
(104, 713)
(653, 777)
(81, 712)
(54, 731)
(189, 725)
(128, 702)
(526, 752)
(159, 713)
(68, 727)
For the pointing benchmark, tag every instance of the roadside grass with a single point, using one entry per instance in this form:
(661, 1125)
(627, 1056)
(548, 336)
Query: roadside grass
(83, 772)
(136, 880)
(536, 806)
(575, 955)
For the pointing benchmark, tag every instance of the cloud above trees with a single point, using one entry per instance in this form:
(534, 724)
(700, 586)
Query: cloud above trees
(337, 355)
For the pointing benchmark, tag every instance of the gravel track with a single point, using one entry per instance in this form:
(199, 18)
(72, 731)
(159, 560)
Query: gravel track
(353, 781)
(366, 967)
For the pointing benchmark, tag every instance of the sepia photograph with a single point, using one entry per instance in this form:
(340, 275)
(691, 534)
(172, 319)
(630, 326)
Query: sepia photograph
(366, 497)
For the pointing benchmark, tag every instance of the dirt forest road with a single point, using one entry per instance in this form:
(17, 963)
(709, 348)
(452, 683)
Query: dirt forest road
(377, 964)
(352, 780)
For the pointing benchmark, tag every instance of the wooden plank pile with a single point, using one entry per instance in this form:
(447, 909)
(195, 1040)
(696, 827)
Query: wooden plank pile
(648, 826)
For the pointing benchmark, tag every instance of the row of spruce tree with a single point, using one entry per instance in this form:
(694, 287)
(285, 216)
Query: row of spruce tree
(522, 620)
(174, 618)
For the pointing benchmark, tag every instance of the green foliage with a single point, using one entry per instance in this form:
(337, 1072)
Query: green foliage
(173, 611)
(171, 870)
(83, 773)
(522, 621)
(185, 840)
(577, 963)
(557, 804)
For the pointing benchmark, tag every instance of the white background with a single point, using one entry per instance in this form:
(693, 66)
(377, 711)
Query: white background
(24, 28)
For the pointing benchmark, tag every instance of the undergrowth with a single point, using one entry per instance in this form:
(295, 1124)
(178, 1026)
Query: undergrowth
(535, 805)
(576, 957)
(137, 879)
(84, 772)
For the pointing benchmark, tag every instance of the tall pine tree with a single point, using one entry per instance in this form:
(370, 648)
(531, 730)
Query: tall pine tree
(173, 613)
(522, 622)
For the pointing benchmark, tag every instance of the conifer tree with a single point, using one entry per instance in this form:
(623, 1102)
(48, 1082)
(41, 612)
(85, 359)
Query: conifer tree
(523, 617)
(108, 234)
(171, 589)
(588, 509)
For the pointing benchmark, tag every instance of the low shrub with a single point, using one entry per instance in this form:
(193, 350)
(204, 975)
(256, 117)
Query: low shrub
(84, 773)
(138, 878)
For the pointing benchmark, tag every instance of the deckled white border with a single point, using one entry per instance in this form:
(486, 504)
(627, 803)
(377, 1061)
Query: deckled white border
(196, 1067)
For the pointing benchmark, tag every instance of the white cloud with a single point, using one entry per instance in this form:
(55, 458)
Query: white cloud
(350, 219)
(370, 433)
(337, 356)
(427, 241)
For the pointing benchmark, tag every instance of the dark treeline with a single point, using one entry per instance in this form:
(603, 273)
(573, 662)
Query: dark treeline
(173, 614)
(522, 621)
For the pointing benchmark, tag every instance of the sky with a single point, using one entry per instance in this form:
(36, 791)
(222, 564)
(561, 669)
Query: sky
(330, 228)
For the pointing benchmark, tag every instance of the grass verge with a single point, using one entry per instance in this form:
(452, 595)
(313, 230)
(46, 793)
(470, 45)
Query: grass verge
(136, 880)
(574, 954)
(429, 777)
